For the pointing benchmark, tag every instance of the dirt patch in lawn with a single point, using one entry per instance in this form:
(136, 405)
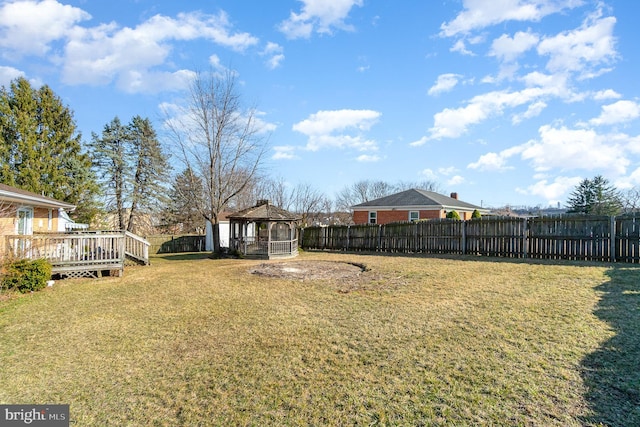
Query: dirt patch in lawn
(344, 275)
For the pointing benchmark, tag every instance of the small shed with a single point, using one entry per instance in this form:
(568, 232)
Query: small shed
(264, 231)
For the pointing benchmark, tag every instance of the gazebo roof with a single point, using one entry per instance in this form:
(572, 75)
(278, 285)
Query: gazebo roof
(264, 211)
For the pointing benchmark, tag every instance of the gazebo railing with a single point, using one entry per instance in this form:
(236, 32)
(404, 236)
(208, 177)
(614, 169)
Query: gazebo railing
(260, 247)
(283, 247)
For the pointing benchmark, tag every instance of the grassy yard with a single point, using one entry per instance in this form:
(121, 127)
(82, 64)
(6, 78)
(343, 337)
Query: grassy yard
(192, 341)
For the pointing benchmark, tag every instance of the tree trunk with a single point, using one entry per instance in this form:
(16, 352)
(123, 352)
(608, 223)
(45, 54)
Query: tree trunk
(215, 234)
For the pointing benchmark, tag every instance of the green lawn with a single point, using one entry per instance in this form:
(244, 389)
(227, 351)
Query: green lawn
(193, 341)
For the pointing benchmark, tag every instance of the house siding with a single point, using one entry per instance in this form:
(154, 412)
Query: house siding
(387, 216)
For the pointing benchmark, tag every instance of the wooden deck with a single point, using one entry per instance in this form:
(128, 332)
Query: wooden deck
(86, 254)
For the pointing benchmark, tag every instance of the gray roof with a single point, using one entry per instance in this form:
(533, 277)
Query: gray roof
(264, 211)
(417, 199)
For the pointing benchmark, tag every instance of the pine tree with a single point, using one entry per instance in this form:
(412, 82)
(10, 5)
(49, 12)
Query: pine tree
(132, 167)
(110, 161)
(41, 150)
(595, 197)
(151, 170)
(182, 211)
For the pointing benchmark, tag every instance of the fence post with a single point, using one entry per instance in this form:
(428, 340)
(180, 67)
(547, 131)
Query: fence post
(525, 237)
(612, 239)
(348, 230)
(379, 248)
(463, 240)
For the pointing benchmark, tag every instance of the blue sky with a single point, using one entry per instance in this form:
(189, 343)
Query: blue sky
(503, 101)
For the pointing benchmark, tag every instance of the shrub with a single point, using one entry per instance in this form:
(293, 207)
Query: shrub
(476, 214)
(26, 275)
(453, 215)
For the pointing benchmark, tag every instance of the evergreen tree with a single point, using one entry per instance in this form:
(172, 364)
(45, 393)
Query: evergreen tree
(595, 197)
(151, 170)
(131, 167)
(110, 161)
(40, 148)
(182, 211)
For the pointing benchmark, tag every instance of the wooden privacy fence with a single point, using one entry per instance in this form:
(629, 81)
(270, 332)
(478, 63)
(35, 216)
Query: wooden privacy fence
(168, 243)
(588, 238)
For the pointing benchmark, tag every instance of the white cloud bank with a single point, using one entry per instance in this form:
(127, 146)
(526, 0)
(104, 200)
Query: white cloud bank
(137, 59)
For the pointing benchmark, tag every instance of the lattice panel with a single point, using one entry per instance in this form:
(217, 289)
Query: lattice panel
(80, 274)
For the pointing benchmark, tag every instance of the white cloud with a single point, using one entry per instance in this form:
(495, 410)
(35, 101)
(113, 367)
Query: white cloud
(570, 149)
(420, 142)
(454, 122)
(8, 74)
(444, 83)
(581, 50)
(214, 61)
(478, 14)
(101, 54)
(324, 122)
(429, 174)
(321, 16)
(618, 112)
(262, 126)
(368, 158)
(606, 94)
(533, 110)
(507, 48)
(318, 142)
(284, 152)
(28, 27)
(554, 192)
(455, 180)
(338, 129)
(154, 81)
(460, 47)
(495, 161)
(274, 54)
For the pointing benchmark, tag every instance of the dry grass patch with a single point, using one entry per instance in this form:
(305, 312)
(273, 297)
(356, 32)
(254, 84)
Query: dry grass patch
(410, 341)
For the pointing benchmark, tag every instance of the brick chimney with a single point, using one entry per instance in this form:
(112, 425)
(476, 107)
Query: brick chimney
(454, 196)
(262, 202)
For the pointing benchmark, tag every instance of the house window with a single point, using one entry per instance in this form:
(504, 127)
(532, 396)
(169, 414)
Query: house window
(414, 215)
(372, 217)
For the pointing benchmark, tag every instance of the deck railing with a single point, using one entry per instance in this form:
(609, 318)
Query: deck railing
(74, 253)
(136, 247)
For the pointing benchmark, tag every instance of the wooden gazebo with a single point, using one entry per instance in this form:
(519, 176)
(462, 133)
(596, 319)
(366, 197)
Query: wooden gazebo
(264, 231)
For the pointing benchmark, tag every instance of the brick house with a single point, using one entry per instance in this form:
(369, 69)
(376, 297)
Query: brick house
(24, 213)
(411, 205)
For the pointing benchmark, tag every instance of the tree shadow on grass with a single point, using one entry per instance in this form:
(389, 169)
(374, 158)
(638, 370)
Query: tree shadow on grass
(612, 373)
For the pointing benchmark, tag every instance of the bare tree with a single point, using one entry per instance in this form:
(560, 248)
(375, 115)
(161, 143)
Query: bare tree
(222, 143)
(631, 200)
(364, 191)
(420, 185)
(308, 201)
